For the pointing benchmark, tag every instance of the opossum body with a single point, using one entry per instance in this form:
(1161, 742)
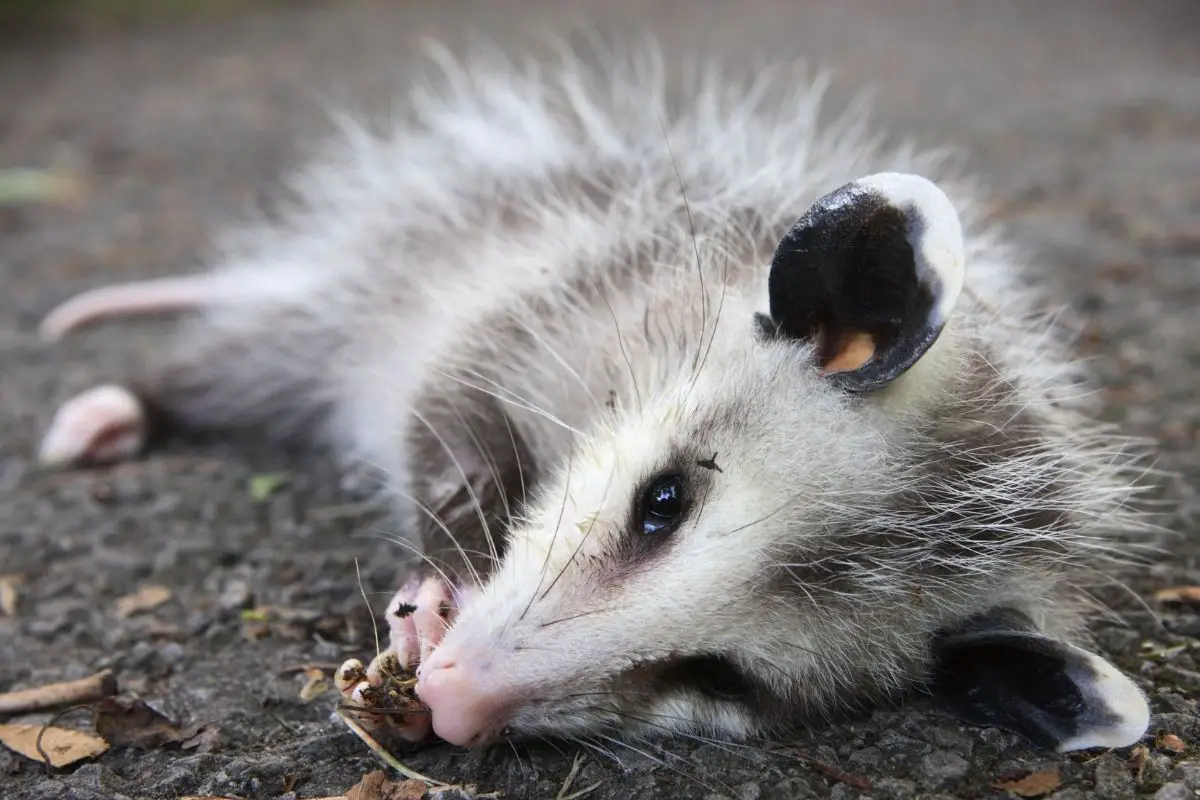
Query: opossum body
(714, 419)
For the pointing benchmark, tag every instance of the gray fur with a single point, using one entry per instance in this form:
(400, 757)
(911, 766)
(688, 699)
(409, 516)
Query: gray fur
(520, 302)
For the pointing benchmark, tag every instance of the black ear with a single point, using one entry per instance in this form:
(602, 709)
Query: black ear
(997, 670)
(871, 274)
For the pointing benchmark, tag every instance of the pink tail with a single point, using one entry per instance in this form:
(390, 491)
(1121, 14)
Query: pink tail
(156, 296)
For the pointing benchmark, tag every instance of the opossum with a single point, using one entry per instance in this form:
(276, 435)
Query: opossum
(710, 415)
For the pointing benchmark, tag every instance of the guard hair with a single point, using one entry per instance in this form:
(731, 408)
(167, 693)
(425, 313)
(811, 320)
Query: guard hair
(730, 414)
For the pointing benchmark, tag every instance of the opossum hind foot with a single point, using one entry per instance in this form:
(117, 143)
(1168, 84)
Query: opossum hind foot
(102, 425)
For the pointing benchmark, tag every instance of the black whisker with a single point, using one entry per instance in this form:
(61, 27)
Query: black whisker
(568, 619)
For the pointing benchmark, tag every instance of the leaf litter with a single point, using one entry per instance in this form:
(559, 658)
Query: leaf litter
(61, 747)
(145, 599)
(1034, 784)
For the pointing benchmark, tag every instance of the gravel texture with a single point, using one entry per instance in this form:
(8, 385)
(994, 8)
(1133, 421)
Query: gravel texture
(1084, 115)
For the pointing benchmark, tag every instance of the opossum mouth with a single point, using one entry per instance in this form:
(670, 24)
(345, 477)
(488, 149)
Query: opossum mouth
(713, 675)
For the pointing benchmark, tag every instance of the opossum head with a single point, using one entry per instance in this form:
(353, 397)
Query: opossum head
(849, 498)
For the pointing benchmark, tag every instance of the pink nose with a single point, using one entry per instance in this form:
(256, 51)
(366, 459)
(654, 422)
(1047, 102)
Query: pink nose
(466, 705)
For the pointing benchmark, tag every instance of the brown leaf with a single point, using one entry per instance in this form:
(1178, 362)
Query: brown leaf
(1179, 594)
(315, 687)
(133, 723)
(281, 614)
(1035, 784)
(255, 630)
(369, 788)
(1169, 741)
(205, 741)
(377, 786)
(62, 745)
(1138, 757)
(410, 789)
(145, 599)
(157, 628)
(9, 596)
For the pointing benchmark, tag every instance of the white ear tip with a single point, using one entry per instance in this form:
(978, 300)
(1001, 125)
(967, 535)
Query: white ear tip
(936, 234)
(1128, 711)
(902, 189)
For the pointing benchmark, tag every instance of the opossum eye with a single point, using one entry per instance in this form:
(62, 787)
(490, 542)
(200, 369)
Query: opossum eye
(870, 275)
(661, 505)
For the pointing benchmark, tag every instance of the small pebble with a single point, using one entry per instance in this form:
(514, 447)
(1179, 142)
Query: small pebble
(235, 596)
(1174, 791)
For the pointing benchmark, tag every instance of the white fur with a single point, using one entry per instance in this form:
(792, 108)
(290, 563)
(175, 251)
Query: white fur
(939, 252)
(550, 236)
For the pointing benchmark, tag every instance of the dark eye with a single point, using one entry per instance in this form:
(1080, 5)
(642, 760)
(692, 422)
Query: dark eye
(662, 505)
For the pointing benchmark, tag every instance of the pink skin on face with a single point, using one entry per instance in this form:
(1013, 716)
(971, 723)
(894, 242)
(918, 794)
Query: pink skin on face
(461, 691)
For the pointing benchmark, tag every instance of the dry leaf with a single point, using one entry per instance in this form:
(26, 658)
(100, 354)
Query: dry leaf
(205, 741)
(9, 595)
(133, 723)
(1169, 741)
(377, 786)
(316, 685)
(1138, 757)
(145, 599)
(407, 790)
(1179, 594)
(165, 630)
(62, 745)
(66, 693)
(369, 788)
(1035, 784)
(253, 631)
(280, 614)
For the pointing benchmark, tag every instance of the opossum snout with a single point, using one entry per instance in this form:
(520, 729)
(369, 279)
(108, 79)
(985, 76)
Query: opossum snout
(466, 697)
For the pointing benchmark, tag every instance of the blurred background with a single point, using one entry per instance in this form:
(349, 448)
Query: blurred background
(131, 131)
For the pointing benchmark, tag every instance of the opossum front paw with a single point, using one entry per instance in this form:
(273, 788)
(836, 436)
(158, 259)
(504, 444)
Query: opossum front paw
(382, 695)
(102, 425)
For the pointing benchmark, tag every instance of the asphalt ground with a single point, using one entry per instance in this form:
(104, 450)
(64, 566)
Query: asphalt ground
(1083, 117)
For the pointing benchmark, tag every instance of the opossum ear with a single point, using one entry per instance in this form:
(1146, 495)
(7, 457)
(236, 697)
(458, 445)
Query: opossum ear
(871, 274)
(998, 670)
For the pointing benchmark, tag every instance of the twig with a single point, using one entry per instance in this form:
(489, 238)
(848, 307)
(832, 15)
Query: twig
(86, 690)
(311, 665)
(381, 711)
(384, 755)
(566, 787)
(583, 792)
(828, 770)
(370, 610)
(37, 743)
